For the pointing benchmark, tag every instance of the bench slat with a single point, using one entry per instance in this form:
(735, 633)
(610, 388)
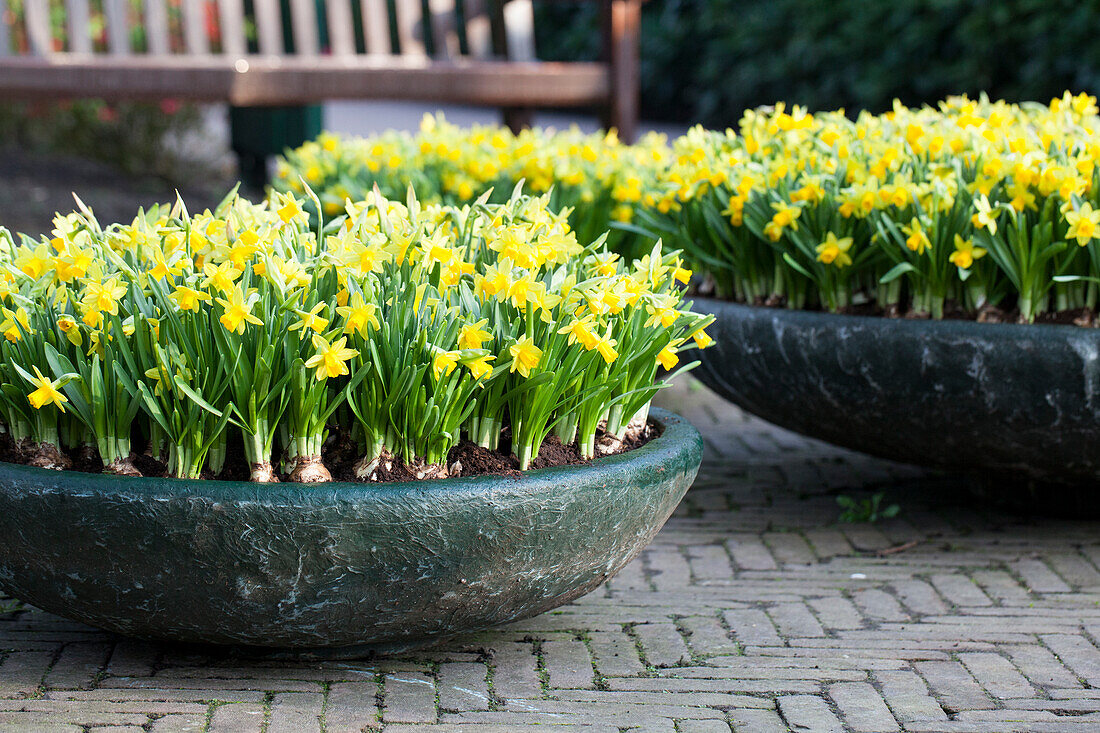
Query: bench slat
(519, 28)
(341, 31)
(156, 24)
(376, 26)
(409, 16)
(231, 27)
(303, 20)
(296, 80)
(118, 27)
(479, 30)
(5, 31)
(444, 28)
(76, 22)
(194, 27)
(269, 26)
(36, 15)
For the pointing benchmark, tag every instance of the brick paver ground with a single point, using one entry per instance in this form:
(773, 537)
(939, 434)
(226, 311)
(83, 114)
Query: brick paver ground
(754, 609)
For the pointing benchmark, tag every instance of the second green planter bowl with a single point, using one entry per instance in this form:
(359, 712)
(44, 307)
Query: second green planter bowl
(1003, 400)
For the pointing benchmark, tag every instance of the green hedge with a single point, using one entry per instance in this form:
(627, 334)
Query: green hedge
(707, 60)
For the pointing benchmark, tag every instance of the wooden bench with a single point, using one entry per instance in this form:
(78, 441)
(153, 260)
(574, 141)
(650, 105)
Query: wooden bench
(478, 52)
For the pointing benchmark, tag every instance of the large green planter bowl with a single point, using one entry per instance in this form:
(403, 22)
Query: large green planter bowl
(371, 567)
(1002, 400)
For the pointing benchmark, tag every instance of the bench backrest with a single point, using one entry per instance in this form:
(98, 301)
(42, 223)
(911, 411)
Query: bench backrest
(452, 28)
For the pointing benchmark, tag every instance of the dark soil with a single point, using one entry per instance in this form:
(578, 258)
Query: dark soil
(1076, 317)
(476, 460)
(340, 457)
(148, 465)
(87, 461)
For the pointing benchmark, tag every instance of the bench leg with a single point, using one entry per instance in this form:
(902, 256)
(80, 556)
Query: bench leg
(253, 170)
(622, 21)
(518, 118)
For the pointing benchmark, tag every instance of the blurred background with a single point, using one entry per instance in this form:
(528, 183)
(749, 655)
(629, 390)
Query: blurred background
(707, 60)
(703, 61)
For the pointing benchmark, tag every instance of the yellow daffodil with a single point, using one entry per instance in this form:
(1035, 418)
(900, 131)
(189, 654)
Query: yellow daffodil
(237, 311)
(46, 392)
(71, 329)
(580, 329)
(667, 357)
(916, 238)
(1084, 224)
(965, 253)
(310, 321)
(103, 297)
(14, 323)
(606, 347)
(480, 366)
(220, 277)
(290, 211)
(444, 363)
(473, 335)
(330, 361)
(834, 251)
(985, 217)
(525, 356)
(358, 315)
(785, 217)
(189, 299)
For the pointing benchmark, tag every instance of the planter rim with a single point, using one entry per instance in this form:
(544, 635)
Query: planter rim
(676, 433)
(960, 327)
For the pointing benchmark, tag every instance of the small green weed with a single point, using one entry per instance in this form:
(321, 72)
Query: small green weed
(865, 510)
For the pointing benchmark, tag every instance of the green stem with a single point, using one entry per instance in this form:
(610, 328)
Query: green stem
(216, 455)
(113, 448)
(257, 446)
(615, 420)
(487, 432)
(567, 428)
(182, 462)
(525, 456)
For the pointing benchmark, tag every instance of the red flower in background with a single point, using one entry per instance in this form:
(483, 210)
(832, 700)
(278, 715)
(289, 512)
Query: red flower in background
(170, 106)
(107, 113)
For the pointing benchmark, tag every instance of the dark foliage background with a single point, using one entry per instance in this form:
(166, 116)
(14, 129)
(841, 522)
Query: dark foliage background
(707, 60)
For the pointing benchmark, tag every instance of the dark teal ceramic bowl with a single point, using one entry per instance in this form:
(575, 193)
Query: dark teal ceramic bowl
(376, 567)
(1001, 400)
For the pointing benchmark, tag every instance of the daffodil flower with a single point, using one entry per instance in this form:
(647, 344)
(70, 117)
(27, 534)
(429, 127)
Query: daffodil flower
(220, 277)
(444, 363)
(985, 216)
(359, 315)
(834, 251)
(237, 311)
(310, 321)
(330, 361)
(480, 366)
(189, 299)
(46, 392)
(473, 335)
(965, 253)
(1084, 224)
(525, 356)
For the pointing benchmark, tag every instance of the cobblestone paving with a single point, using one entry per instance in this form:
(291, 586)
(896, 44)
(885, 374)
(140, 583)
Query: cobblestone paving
(754, 610)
